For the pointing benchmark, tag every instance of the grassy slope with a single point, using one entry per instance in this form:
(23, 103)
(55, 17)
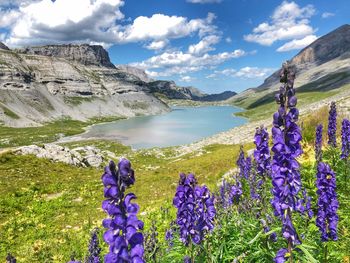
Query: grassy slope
(264, 106)
(44, 203)
(10, 137)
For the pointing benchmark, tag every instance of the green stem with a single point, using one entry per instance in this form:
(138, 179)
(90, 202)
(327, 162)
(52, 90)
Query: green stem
(325, 249)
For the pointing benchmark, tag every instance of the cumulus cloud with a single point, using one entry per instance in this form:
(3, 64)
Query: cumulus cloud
(186, 79)
(288, 21)
(297, 43)
(157, 45)
(92, 21)
(327, 14)
(245, 73)
(204, 1)
(179, 62)
(205, 45)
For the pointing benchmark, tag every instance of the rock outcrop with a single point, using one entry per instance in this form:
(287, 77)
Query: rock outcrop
(87, 156)
(135, 72)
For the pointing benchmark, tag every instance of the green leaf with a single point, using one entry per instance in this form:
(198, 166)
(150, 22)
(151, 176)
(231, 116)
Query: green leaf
(255, 238)
(308, 255)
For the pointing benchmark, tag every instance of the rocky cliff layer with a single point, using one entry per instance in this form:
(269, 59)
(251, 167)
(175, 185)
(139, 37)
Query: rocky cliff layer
(76, 81)
(85, 54)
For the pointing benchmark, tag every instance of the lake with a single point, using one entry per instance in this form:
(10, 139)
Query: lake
(180, 126)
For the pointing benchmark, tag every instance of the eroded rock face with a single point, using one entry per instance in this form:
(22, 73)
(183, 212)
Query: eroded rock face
(86, 54)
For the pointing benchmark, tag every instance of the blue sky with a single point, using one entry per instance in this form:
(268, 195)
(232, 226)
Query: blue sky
(214, 45)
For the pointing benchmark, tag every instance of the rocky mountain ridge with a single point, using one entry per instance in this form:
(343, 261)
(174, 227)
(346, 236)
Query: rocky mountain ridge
(41, 84)
(322, 65)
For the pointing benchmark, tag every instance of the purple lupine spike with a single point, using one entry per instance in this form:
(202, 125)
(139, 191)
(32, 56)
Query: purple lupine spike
(318, 143)
(247, 168)
(224, 190)
(241, 162)
(152, 242)
(332, 125)
(123, 227)
(286, 147)
(345, 139)
(262, 152)
(94, 248)
(235, 192)
(195, 210)
(327, 218)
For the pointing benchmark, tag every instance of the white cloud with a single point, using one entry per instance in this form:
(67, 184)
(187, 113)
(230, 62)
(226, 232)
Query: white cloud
(205, 45)
(297, 43)
(228, 40)
(244, 73)
(204, 1)
(160, 27)
(186, 79)
(67, 21)
(288, 21)
(8, 17)
(327, 14)
(178, 62)
(157, 45)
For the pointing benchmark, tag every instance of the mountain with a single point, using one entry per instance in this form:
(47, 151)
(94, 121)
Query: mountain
(3, 46)
(40, 84)
(170, 90)
(321, 66)
(141, 74)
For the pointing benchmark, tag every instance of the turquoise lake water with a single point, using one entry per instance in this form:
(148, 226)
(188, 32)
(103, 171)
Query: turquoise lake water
(180, 126)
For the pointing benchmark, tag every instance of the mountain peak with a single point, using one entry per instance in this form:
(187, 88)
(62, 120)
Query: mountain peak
(332, 45)
(82, 53)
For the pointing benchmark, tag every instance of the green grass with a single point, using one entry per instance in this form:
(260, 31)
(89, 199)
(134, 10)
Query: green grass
(40, 200)
(9, 112)
(267, 107)
(50, 132)
(75, 101)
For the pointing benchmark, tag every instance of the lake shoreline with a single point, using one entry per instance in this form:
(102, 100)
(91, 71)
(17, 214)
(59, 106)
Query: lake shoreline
(115, 129)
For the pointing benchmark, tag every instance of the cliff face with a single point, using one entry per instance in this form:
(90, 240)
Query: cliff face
(42, 84)
(84, 54)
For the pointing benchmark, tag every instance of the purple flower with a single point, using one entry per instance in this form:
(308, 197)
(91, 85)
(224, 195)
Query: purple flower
(285, 173)
(247, 168)
(235, 192)
(10, 258)
(318, 143)
(241, 162)
(345, 139)
(152, 242)
(195, 210)
(262, 152)
(281, 256)
(327, 218)
(94, 248)
(123, 227)
(332, 125)
(224, 190)
(273, 236)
